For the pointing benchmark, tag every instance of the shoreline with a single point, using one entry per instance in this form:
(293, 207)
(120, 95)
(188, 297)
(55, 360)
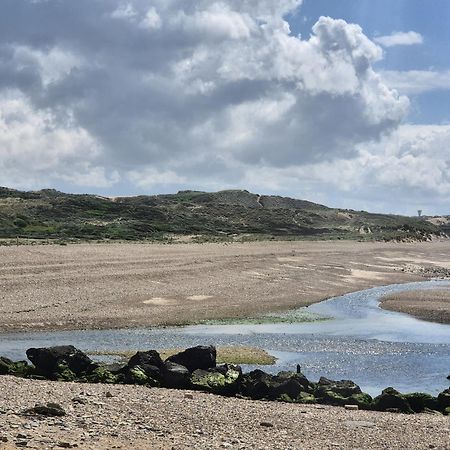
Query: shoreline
(130, 286)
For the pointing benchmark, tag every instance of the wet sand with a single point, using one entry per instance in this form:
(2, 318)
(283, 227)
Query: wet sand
(132, 285)
(430, 305)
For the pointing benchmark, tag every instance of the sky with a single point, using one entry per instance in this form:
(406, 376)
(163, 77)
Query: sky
(340, 102)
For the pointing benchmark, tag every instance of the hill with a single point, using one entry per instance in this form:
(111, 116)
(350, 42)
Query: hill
(227, 215)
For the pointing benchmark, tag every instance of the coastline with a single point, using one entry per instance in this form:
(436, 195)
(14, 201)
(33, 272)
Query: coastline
(97, 286)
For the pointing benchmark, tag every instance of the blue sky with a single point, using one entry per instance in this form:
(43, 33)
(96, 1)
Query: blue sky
(342, 102)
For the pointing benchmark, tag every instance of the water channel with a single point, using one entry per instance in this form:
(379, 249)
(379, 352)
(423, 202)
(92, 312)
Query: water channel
(360, 341)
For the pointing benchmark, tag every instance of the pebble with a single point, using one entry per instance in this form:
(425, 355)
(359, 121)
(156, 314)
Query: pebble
(351, 407)
(266, 424)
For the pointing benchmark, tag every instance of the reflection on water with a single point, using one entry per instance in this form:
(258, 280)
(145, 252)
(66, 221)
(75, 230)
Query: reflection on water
(373, 347)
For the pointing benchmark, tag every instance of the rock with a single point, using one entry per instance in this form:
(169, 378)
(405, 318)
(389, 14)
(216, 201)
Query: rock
(344, 388)
(289, 385)
(50, 409)
(392, 401)
(54, 362)
(444, 399)
(102, 375)
(419, 401)
(351, 407)
(223, 380)
(266, 424)
(340, 393)
(175, 375)
(256, 384)
(188, 396)
(446, 411)
(150, 357)
(200, 357)
(18, 368)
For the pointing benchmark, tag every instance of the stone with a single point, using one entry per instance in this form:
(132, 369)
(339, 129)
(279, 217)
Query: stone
(344, 388)
(444, 399)
(419, 401)
(223, 380)
(101, 374)
(175, 375)
(150, 357)
(51, 361)
(50, 409)
(266, 424)
(391, 400)
(200, 357)
(351, 407)
(256, 384)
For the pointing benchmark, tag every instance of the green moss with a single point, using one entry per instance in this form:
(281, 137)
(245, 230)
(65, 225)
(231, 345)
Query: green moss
(136, 375)
(102, 375)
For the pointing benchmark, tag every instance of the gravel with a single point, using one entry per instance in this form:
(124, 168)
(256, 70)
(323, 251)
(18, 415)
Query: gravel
(139, 417)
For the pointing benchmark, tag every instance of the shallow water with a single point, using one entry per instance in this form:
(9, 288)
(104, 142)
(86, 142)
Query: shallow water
(373, 347)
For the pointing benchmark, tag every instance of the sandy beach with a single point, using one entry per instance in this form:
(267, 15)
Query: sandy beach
(131, 285)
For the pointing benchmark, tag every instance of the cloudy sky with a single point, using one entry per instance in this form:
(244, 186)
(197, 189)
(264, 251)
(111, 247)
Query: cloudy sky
(341, 102)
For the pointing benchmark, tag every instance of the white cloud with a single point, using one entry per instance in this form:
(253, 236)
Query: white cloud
(400, 38)
(205, 93)
(417, 81)
(35, 147)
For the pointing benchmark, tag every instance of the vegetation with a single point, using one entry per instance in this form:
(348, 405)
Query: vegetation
(198, 216)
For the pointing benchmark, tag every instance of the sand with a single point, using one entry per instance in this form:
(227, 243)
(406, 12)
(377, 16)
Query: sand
(432, 305)
(131, 285)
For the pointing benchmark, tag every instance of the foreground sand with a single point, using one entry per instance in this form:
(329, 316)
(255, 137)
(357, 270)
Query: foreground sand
(129, 285)
(134, 417)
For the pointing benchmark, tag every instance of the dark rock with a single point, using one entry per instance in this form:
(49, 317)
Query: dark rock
(343, 388)
(444, 399)
(200, 357)
(391, 400)
(289, 385)
(266, 424)
(150, 358)
(102, 375)
(222, 380)
(54, 361)
(5, 366)
(50, 409)
(419, 401)
(256, 384)
(175, 376)
(18, 368)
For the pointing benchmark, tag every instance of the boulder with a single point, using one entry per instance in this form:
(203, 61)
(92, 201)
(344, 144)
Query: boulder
(256, 384)
(419, 401)
(444, 399)
(102, 374)
(391, 400)
(51, 361)
(222, 380)
(148, 358)
(200, 357)
(343, 388)
(289, 385)
(16, 368)
(175, 376)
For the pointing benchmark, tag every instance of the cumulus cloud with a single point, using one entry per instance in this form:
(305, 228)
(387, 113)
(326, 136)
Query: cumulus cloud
(400, 38)
(188, 93)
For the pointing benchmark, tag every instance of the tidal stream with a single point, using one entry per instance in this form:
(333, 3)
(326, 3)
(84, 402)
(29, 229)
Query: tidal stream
(361, 342)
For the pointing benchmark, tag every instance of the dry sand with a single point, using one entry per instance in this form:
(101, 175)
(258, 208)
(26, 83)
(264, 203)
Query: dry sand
(135, 417)
(130, 285)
